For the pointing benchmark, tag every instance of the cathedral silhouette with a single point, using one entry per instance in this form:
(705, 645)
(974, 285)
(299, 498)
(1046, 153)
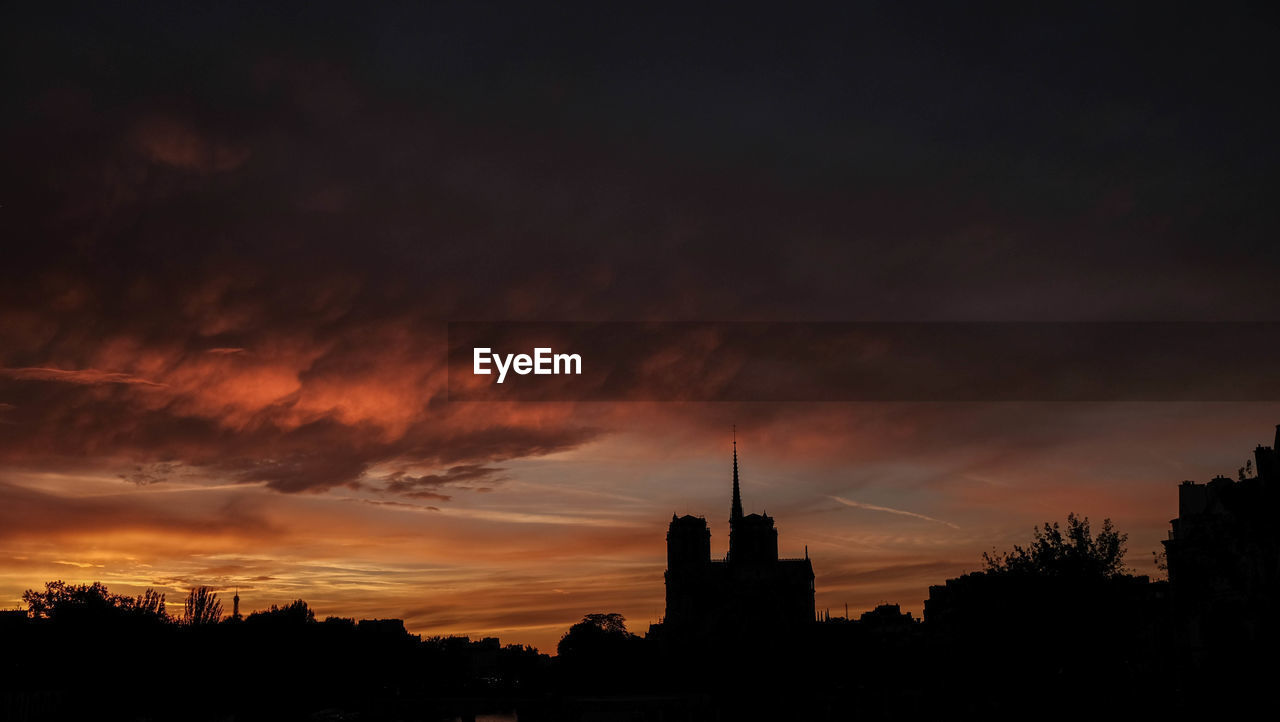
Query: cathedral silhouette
(749, 589)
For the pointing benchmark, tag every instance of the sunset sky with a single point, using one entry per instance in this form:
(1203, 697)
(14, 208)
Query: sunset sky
(232, 240)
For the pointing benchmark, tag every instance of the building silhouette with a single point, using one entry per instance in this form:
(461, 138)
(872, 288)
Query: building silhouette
(749, 589)
(1224, 556)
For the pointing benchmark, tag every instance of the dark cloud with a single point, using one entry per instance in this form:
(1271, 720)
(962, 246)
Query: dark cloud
(75, 376)
(400, 504)
(150, 474)
(874, 164)
(427, 486)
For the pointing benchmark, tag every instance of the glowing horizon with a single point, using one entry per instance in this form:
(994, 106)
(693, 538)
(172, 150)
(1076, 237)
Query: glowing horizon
(581, 531)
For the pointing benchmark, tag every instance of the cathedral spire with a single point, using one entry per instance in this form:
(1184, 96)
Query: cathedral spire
(735, 513)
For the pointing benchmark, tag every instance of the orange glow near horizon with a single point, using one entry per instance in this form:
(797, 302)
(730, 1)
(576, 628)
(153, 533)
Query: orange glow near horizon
(521, 544)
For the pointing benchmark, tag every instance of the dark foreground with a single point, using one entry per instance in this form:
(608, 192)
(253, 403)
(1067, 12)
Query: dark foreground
(1075, 653)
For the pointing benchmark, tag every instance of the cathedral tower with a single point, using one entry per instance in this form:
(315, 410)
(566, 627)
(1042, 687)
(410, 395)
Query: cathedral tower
(748, 592)
(753, 539)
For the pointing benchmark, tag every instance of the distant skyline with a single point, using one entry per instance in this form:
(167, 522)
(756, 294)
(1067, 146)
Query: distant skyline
(883, 514)
(234, 238)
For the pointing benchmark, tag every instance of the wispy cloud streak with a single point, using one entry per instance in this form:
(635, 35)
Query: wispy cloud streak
(890, 510)
(86, 377)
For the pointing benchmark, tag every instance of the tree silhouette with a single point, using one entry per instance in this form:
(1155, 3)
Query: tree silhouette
(202, 607)
(611, 623)
(149, 604)
(596, 633)
(1161, 560)
(295, 612)
(92, 600)
(1073, 552)
(58, 596)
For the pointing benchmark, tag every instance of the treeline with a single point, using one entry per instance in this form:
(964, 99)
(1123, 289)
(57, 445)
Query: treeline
(95, 603)
(82, 652)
